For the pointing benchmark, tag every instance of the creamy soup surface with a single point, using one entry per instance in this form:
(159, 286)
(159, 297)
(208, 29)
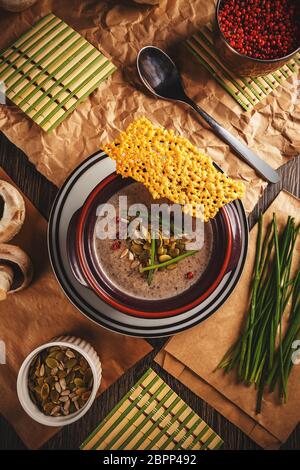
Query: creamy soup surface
(165, 283)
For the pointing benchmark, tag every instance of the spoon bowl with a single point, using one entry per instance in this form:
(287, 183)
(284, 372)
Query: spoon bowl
(159, 74)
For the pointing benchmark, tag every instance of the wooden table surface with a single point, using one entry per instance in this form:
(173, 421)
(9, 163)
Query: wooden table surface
(42, 193)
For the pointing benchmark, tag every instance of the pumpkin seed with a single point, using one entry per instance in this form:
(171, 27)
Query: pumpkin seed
(63, 399)
(79, 382)
(67, 406)
(42, 370)
(51, 362)
(40, 381)
(137, 249)
(37, 362)
(137, 240)
(48, 407)
(54, 371)
(70, 354)
(124, 253)
(52, 354)
(180, 245)
(135, 264)
(172, 266)
(63, 384)
(59, 356)
(71, 363)
(50, 380)
(54, 395)
(60, 381)
(70, 377)
(80, 391)
(160, 238)
(163, 258)
(174, 253)
(83, 363)
(55, 410)
(62, 374)
(161, 250)
(45, 390)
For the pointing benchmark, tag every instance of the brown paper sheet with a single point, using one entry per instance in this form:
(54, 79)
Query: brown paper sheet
(38, 314)
(120, 29)
(211, 340)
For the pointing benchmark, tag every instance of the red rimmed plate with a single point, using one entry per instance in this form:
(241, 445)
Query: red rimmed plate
(70, 199)
(85, 265)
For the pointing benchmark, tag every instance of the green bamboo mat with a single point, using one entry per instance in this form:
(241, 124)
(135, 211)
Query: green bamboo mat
(152, 416)
(49, 70)
(246, 91)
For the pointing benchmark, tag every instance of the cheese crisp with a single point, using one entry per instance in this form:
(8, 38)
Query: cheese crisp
(170, 166)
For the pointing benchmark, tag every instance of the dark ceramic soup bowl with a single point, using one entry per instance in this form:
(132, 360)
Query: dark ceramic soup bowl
(84, 262)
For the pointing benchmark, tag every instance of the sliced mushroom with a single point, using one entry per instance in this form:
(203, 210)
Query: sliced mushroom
(15, 269)
(13, 211)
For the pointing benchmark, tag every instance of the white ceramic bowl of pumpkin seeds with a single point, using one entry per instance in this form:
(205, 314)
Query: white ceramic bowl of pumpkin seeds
(58, 381)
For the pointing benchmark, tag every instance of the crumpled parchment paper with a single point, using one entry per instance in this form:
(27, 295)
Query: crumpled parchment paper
(120, 29)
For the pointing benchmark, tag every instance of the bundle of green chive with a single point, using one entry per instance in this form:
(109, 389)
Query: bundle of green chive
(262, 355)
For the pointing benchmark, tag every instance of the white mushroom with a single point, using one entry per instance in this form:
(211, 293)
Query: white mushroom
(13, 215)
(15, 269)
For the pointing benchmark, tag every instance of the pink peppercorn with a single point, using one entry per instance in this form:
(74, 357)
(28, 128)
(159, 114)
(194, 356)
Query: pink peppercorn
(262, 29)
(116, 245)
(189, 275)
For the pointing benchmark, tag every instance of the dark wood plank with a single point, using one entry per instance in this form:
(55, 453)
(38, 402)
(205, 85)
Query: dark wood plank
(42, 194)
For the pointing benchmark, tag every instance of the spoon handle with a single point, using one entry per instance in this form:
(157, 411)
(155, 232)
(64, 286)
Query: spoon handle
(262, 168)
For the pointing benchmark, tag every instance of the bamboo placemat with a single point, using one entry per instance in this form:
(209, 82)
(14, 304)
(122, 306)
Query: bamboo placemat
(152, 416)
(246, 91)
(49, 70)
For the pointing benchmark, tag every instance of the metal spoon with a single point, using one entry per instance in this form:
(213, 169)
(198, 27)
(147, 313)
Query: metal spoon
(161, 76)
